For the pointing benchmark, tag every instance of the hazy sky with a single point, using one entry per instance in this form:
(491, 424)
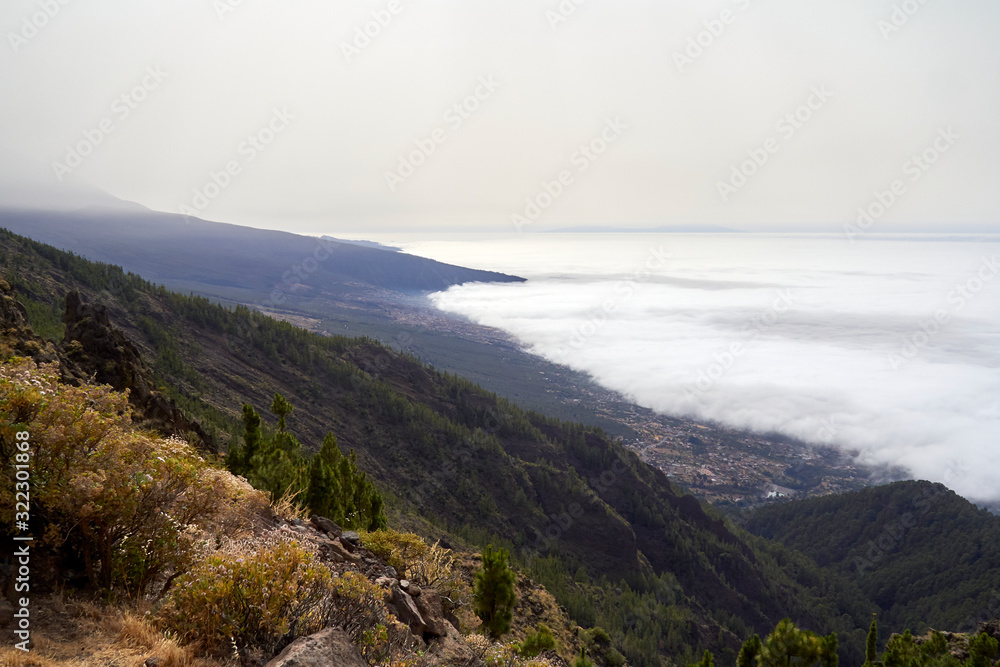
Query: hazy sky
(757, 114)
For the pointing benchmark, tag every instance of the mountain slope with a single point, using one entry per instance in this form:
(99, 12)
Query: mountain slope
(925, 555)
(325, 285)
(617, 543)
(174, 249)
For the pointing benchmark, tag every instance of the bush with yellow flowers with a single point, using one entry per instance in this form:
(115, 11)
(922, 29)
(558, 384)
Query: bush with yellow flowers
(253, 597)
(127, 507)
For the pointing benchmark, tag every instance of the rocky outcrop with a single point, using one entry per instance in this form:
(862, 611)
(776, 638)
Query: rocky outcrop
(97, 351)
(329, 648)
(93, 350)
(17, 336)
(325, 525)
(429, 605)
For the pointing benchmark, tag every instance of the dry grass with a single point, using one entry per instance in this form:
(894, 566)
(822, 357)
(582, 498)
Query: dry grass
(286, 507)
(82, 634)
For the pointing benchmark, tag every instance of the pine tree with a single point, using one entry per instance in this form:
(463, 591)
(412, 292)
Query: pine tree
(749, 652)
(871, 646)
(788, 642)
(323, 495)
(494, 593)
(281, 408)
(707, 660)
(338, 490)
(238, 460)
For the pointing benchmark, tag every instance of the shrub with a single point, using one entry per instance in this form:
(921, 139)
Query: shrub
(400, 550)
(255, 598)
(541, 640)
(437, 569)
(358, 606)
(131, 505)
(583, 661)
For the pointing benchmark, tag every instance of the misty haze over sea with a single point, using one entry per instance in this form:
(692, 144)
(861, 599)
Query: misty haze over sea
(887, 345)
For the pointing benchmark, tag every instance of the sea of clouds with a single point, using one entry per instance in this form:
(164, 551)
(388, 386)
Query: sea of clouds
(889, 346)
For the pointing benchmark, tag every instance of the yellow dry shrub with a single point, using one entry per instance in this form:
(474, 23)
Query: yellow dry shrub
(255, 598)
(133, 506)
(400, 550)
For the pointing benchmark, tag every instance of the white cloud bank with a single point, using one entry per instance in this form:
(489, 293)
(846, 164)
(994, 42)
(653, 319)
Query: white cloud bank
(888, 347)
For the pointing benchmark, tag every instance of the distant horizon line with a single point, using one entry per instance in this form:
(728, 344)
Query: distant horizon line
(133, 208)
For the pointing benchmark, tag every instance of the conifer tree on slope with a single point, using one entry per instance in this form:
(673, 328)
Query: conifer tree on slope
(494, 593)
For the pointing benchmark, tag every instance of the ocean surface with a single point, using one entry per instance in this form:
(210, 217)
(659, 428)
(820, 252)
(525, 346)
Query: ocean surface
(888, 345)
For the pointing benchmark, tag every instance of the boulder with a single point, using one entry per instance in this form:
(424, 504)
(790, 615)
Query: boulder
(407, 611)
(429, 606)
(351, 538)
(329, 648)
(991, 628)
(334, 551)
(325, 525)
(450, 649)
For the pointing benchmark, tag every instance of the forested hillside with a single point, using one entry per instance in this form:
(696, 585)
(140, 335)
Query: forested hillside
(926, 556)
(618, 545)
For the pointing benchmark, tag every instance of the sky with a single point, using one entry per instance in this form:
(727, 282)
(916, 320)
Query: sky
(513, 116)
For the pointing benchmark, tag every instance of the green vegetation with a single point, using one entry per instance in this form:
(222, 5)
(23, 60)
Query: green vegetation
(536, 642)
(935, 650)
(119, 506)
(494, 592)
(749, 652)
(583, 661)
(871, 645)
(402, 551)
(925, 556)
(613, 540)
(330, 482)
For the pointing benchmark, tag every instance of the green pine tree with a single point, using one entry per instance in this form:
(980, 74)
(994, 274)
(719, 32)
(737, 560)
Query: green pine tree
(494, 592)
(871, 646)
(788, 644)
(983, 650)
(707, 660)
(281, 408)
(238, 460)
(749, 652)
(582, 660)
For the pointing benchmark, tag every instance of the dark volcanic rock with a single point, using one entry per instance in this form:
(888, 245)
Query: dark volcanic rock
(100, 352)
(325, 525)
